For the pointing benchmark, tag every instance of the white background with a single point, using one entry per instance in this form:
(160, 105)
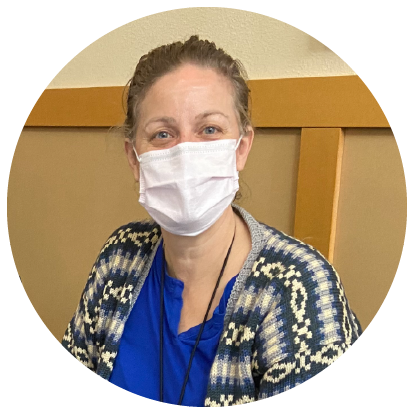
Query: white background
(39, 38)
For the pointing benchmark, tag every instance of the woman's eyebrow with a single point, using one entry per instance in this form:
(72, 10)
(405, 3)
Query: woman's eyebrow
(167, 119)
(164, 119)
(210, 113)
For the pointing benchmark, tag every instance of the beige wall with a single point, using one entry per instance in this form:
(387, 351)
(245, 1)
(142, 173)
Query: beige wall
(371, 218)
(267, 47)
(268, 183)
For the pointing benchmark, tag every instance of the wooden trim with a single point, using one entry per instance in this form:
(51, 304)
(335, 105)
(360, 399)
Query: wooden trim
(339, 101)
(317, 196)
(90, 107)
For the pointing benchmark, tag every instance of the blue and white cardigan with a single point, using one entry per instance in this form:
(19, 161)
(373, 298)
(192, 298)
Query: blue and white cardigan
(286, 320)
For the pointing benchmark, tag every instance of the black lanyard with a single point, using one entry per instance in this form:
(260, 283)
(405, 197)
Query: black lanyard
(182, 393)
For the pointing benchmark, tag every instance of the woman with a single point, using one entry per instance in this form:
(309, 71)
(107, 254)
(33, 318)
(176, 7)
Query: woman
(203, 306)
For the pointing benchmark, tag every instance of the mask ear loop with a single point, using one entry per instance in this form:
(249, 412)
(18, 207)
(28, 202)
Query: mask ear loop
(137, 156)
(238, 142)
(237, 145)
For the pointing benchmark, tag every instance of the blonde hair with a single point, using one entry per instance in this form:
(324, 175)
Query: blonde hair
(164, 59)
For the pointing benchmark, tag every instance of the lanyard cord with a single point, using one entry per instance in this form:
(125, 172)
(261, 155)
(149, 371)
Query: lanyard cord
(182, 393)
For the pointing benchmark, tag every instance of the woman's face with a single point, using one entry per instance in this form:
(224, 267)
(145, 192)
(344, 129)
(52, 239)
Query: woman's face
(190, 104)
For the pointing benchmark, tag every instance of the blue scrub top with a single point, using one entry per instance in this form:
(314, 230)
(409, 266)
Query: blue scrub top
(136, 367)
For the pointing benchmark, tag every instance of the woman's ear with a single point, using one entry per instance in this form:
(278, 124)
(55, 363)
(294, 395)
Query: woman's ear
(131, 157)
(244, 148)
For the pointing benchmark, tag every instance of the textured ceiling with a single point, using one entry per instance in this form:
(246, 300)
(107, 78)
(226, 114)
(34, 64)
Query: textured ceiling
(268, 48)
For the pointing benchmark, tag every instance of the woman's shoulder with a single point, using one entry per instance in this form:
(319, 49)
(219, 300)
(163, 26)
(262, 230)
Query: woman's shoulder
(294, 278)
(135, 235)
(271, 246)
(281, 263)
(293, 264)
(127, 249)
(308, 284)
(278, 245)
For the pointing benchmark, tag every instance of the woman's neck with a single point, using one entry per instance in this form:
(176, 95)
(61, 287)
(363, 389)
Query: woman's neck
(196, 260)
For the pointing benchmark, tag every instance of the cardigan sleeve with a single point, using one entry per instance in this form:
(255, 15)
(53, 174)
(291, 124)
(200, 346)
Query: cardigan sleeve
(305, 331)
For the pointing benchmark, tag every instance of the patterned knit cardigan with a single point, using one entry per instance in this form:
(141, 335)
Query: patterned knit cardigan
(286, 320)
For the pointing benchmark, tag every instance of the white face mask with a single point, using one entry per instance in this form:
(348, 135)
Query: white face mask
(186, 188)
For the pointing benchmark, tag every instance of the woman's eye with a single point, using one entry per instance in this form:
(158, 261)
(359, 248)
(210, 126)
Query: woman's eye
(162, 135)
(210, 130)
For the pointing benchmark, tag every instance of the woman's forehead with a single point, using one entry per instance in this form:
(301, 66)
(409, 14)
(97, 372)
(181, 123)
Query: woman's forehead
(190, 89)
